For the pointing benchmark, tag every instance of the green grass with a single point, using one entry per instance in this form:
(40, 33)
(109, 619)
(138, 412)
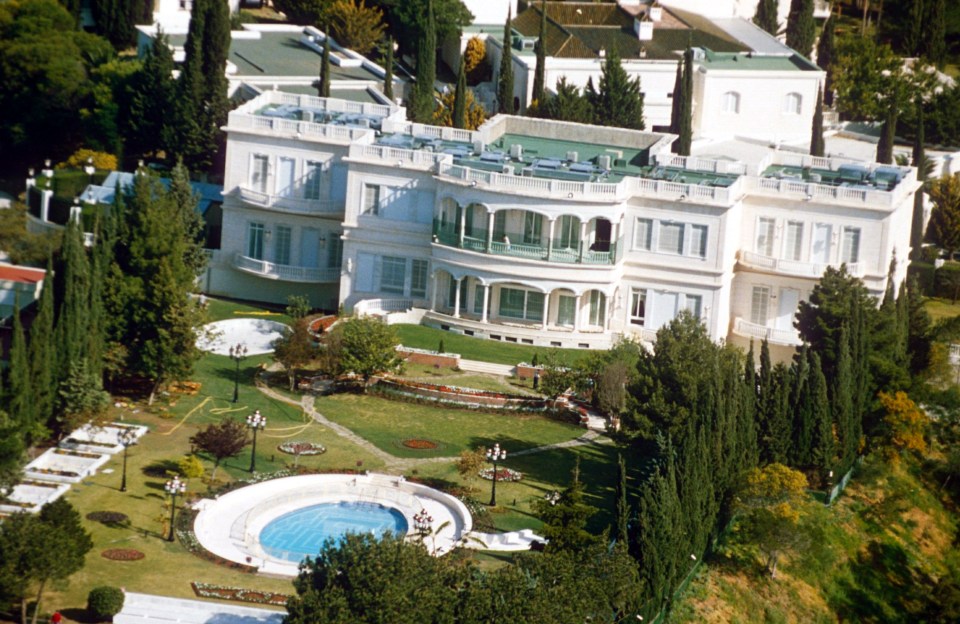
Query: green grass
(939, 308)
(387, 423)
(477, 381)
(481, 349)
(222, 309)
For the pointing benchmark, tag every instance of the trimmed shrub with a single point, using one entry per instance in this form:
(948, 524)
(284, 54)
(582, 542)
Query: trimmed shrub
(105, 601)
(190, 467)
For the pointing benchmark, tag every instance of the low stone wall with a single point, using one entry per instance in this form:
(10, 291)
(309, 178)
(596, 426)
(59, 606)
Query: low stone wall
(527, 371)
(429, 358)
(462, 396)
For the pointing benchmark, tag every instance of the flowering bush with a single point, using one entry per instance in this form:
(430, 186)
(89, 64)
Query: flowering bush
(207, 590)
(301, 448)
(503, 474)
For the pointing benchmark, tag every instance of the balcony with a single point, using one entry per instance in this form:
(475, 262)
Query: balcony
(290, 205)
(536, 187)
(793, 268)
(286, 272)
(787, 337)
(449, 238)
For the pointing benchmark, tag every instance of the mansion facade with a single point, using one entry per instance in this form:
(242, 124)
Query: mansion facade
(541, 232)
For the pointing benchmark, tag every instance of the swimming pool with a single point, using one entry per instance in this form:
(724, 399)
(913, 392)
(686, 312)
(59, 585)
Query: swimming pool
(301, 533)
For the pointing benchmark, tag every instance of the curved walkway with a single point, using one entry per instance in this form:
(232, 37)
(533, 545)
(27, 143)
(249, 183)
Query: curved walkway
(400, 464)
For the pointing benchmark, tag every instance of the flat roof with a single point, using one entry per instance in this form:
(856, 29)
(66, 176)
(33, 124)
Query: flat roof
(754, 61)
(350, 95)
(26, 275)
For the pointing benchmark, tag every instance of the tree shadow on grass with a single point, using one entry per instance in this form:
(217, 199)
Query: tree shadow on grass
(162, 469)
(79, 615)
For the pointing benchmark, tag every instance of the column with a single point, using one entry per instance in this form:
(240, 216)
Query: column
(546, 309)
(583, 240)
(463, 224)
(490, 220)
(550, 240)
(433, 294)
(486, 302)
(456, 299)
(576, 314)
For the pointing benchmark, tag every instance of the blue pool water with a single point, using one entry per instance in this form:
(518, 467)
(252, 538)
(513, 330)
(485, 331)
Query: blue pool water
(300, 533)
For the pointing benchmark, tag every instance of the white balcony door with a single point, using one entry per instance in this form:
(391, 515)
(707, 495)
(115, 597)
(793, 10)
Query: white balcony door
(309, 244)
(664, 308)
(820, 249)
(285, 177)
(787, 307)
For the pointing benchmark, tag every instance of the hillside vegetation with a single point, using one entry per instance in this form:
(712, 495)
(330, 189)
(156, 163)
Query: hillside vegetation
(884, 552)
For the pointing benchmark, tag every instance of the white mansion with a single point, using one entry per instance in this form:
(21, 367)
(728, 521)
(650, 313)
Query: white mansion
(540, 232)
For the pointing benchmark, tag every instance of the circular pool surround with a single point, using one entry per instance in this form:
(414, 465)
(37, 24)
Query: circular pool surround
(257, 335)
(274, 524)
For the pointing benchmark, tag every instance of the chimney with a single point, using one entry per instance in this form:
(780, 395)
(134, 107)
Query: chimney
(656, 11)
(643, 28)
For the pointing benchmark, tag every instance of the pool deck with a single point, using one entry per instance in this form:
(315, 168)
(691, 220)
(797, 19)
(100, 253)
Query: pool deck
(139, 608)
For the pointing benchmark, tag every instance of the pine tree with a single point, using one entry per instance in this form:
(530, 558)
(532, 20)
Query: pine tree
(388, 71)
(185, 203)
(816, 133)
(539, 73)
(149, 128)
(936, 33)
(505, 78)
(801, 29)
(913, 40)
(825, 54)
(888, 133)
(42, 354)
(460, 96)
(618, 100)
(422, 99)
(568, 104)
(684, 143)
(622, 512)
(323, 84)
(766, 16)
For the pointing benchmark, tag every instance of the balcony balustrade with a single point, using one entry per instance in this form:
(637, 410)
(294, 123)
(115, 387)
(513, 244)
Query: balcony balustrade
(448, 236)
(286, 272)
(792, 267)
(291, 205)
(788, 337)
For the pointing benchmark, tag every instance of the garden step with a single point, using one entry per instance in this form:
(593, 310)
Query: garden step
(488, 368)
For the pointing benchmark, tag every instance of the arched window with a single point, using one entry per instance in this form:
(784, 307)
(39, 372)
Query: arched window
(792, 103)
(731, 102)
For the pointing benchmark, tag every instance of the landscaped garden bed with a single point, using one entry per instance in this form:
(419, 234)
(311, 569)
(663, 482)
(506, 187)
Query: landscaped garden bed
(507, 475)
(301, 448)
(108, 517)
(64, 466)
(457, 396)
(420, 444)
(122, 554)
(208, 590)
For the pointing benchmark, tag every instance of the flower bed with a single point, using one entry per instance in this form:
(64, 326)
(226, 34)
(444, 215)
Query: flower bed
(76, 442)
(466, 398)
(419, 444)
(57, 473)
(122, 554)
(107, 517)
(42, 484)
(503, 474)
(207, 590)
(301, 448)
(69, 453)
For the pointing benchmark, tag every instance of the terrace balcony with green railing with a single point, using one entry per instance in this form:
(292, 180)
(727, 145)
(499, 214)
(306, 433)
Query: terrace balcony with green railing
(516, 245)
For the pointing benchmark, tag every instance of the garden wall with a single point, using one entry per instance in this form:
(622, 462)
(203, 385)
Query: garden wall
(462, 396)
(429, 358)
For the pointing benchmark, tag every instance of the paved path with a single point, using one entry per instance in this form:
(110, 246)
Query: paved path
(474, 366)
(401, 464)
(139, 608)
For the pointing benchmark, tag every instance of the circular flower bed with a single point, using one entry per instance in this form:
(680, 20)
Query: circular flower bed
(301, 448)
(503, 474)
(122, 554)
(419, 444)
(107, 517)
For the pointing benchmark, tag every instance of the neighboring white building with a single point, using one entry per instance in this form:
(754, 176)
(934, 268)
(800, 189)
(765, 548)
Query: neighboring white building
(741, 71)
(490, 12)
(539, 232)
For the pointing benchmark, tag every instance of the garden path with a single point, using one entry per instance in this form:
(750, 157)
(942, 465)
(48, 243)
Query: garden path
(400, 464)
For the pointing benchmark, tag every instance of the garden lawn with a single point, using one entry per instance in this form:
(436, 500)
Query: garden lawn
(939, 308)
(222, 309)
(477, 381)
(482, 349)
(386, 423)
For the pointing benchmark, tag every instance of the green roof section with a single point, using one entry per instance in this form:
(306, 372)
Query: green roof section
(351, 95)
(282, 54)
(751, 61)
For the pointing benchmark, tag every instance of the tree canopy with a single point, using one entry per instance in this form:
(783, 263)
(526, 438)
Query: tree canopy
(364, 346)
(221, 441)
(617, 101)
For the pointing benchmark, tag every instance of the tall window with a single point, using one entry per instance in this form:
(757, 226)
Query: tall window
(765, 230)
(792, 103)
(643, 234)
(311, 182)
(731, 102)
(794, 243)
(255, 235)
(759, 305)
(335, 251)
(286, 176)
(392, 274)
(281, 245)
(532, 223)
(521, 304)
(670, 238)
(418, 278)
(698, 241)
(598, 308)
(258, 173)
(850, 252)
(566, 310)
(499, 224)
(694, 304)
(371, 199)
(638, 307)
(569, 235)
(477, 298)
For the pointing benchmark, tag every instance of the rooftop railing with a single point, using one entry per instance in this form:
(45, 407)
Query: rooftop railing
(239, 120)
(398, 156)
(539, 187)
(694, 163)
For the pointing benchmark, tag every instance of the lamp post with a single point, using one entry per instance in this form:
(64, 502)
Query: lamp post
(256, 422)
(552, 497)
(126, 438)
(238, 353)
(89, 169)
(494, 455)
(174, 487)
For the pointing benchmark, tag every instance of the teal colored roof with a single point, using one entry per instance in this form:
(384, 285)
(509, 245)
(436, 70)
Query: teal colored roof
(752, 61)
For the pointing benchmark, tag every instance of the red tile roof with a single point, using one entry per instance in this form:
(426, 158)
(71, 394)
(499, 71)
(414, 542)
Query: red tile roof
(27, 275)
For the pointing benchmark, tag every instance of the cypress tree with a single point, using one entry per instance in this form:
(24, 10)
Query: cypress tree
(801, 29)
(822, 448)
(816, 133)
(323, 84)
(887, 134)
(388, 71)
(913, 37)
(42, 353)
(153, 96)
(422, 101)
(505, 78)
(676, 100)
(460, 96)
(918, 331)
(73, 319)
(903, 327)
(658, 540)
(622, 512)
(825, 54)
(22, 404)
(779, 428)
(618, 100)
(920, 162)
(766, 16)
(843, 405)
(539, 93)
(936, 29)
(802, 409)
(684, 143)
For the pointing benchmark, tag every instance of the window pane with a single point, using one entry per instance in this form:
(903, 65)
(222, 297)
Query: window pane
(311, 184)
(511, 302)
(569, 234)
(638, 307)
(392, 274)
(642, 234)
(598, 308)
(335, 251)
(671, 238)
(418, 278)
(258, 173)
(765, 237)
(694, 304)
(477, 298)
(255, 241)
(698, 241)
(371, 199)
(566, 310)
(794, 241)
(758, 305)
(851, 246)
(281, 246)
(531, 228)
(534, 305)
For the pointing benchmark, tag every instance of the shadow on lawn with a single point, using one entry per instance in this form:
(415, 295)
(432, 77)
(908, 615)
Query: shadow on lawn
(163, 469)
